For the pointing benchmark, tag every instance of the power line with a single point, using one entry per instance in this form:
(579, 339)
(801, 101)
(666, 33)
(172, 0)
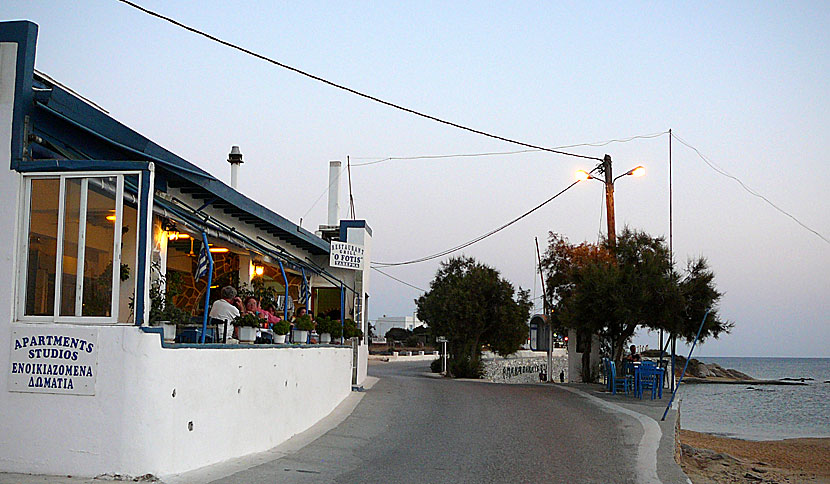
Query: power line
(723, 172)
(402, 282)
(477, 239)
(348, 89)
(376, 160)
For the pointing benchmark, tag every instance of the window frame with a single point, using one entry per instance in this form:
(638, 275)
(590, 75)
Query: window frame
(24, 228)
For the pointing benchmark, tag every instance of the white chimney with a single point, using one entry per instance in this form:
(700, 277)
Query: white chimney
(235, 159)
(334, 193)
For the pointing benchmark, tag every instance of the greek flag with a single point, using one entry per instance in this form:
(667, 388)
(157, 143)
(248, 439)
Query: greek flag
(304, 292)
(203, 265)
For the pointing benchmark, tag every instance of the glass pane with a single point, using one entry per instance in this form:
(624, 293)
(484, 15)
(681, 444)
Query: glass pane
(69, 278)
(98, 251)
(43, 243)
(129, 251)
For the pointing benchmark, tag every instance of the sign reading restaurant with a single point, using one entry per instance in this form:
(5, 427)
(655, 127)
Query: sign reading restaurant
(53, 360)
(346, 256)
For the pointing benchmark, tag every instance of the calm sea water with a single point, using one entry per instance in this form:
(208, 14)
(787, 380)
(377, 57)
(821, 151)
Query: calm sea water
(761, 412)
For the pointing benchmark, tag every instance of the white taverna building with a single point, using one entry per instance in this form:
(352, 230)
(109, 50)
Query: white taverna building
(93, 214)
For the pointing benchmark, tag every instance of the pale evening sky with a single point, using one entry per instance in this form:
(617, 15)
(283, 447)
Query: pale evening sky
(744, 82)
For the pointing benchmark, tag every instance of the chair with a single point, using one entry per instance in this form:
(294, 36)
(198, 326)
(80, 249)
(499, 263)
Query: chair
(624, 383)
(650, 378)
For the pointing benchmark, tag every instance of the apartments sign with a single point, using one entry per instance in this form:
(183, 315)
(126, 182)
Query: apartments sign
(53, 360)
(347, 256)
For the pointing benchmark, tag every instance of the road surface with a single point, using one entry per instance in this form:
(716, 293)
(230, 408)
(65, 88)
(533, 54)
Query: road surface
(413, 428)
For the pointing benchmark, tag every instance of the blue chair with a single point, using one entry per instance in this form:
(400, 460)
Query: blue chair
(650, 377)
(624, 383)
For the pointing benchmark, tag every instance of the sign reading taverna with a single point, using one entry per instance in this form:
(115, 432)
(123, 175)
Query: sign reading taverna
(53, 360)
(346, 256)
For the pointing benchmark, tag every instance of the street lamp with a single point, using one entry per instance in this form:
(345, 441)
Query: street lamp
(605, 169)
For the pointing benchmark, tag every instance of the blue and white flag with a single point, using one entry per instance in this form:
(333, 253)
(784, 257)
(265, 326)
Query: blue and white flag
(304, 292)
(203, 266)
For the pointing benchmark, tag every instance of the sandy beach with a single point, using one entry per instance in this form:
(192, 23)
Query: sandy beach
(711, 459)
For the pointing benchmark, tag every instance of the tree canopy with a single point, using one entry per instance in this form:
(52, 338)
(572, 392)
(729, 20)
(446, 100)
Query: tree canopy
(613, 293)
(471, 305)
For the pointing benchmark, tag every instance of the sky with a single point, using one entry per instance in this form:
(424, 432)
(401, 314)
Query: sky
(743, 82)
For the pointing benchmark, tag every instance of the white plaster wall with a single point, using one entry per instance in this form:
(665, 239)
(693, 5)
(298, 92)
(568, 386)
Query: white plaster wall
(575, 359)
(240, 401)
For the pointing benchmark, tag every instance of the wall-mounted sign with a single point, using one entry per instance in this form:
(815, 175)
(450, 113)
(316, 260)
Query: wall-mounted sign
(347, 256)
(53, 360)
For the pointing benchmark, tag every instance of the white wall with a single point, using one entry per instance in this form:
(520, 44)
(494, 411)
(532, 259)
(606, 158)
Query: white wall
(575, 359)
(240, 401)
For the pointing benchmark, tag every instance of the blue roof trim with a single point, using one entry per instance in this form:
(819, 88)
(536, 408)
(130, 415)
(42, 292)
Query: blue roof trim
(84, 132)
(353, 224)
(114, 138)
(24, 34)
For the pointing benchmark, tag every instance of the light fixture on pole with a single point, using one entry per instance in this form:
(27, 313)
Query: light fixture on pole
(609, 179)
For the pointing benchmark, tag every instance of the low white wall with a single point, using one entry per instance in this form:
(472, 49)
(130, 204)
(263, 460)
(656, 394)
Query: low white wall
(239, 401)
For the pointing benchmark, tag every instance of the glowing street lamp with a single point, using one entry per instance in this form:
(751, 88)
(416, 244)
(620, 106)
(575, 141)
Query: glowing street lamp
(605, 168)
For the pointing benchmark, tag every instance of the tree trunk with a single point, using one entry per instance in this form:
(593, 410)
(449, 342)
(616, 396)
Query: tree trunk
(587, 371)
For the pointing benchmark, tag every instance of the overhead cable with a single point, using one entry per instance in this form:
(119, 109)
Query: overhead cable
(348, 89)
(477, 239)
(723, 172)
(402, 282)
(376, 160)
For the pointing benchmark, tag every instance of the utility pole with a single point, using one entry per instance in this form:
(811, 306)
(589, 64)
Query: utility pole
(609, 202)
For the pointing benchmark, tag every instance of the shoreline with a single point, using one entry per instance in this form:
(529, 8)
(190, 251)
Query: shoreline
(714, 380)
(708, 458)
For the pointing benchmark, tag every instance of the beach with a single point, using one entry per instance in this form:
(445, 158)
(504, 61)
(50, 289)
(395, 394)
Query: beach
(707, 458)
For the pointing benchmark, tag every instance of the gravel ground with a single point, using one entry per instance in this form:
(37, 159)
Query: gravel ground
(711, 459)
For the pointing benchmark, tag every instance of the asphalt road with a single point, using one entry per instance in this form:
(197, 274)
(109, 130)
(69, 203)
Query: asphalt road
(412, 428)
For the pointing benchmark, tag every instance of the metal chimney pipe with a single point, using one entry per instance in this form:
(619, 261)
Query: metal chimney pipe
(334, 193)
(235, 159)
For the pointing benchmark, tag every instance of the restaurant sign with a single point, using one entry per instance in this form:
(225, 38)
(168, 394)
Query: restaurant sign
(53, 360)
(347, 256)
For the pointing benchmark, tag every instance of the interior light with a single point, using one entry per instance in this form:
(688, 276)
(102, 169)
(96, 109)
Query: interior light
(111, 218)
(259, 270)
(177, 236)
(219, 250)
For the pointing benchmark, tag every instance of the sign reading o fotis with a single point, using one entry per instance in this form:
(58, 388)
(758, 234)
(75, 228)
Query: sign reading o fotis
(53, 360)
(347, 256)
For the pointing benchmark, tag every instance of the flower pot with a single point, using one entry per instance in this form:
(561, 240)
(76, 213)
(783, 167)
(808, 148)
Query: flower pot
(279, 339)
(247, 334)
(169, 330)
(325, 338)
(299, 336)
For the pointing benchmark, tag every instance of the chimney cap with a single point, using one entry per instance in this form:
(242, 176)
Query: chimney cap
(235, 156)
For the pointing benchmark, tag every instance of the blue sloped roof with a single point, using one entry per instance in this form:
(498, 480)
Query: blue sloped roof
(75, 128)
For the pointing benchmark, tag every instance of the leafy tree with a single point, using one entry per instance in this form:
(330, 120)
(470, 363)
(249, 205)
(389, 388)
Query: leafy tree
(612, 294)
(398, 334)
(471, 305)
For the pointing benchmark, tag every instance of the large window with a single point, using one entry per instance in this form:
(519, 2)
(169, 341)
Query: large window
(73, 266)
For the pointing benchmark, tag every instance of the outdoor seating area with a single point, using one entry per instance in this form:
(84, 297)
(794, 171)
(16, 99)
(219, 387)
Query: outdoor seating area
(635, 379)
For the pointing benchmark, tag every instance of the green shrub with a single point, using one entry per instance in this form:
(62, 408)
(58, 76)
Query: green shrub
(350, 329)
(250, 320)
(304, 323)
(282, 327)
(465, 368)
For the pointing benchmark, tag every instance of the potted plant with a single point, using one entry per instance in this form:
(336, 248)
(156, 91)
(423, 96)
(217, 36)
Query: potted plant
(247, 325)
(335, 330)
(302, 325)
(324, 329)
(162, 310)
(350, 329)
(281, 329)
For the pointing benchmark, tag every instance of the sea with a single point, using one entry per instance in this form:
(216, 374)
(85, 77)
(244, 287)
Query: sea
(761, 412)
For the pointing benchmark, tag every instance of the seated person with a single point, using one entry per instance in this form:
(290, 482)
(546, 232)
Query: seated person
(226, 309)
(633, 355)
